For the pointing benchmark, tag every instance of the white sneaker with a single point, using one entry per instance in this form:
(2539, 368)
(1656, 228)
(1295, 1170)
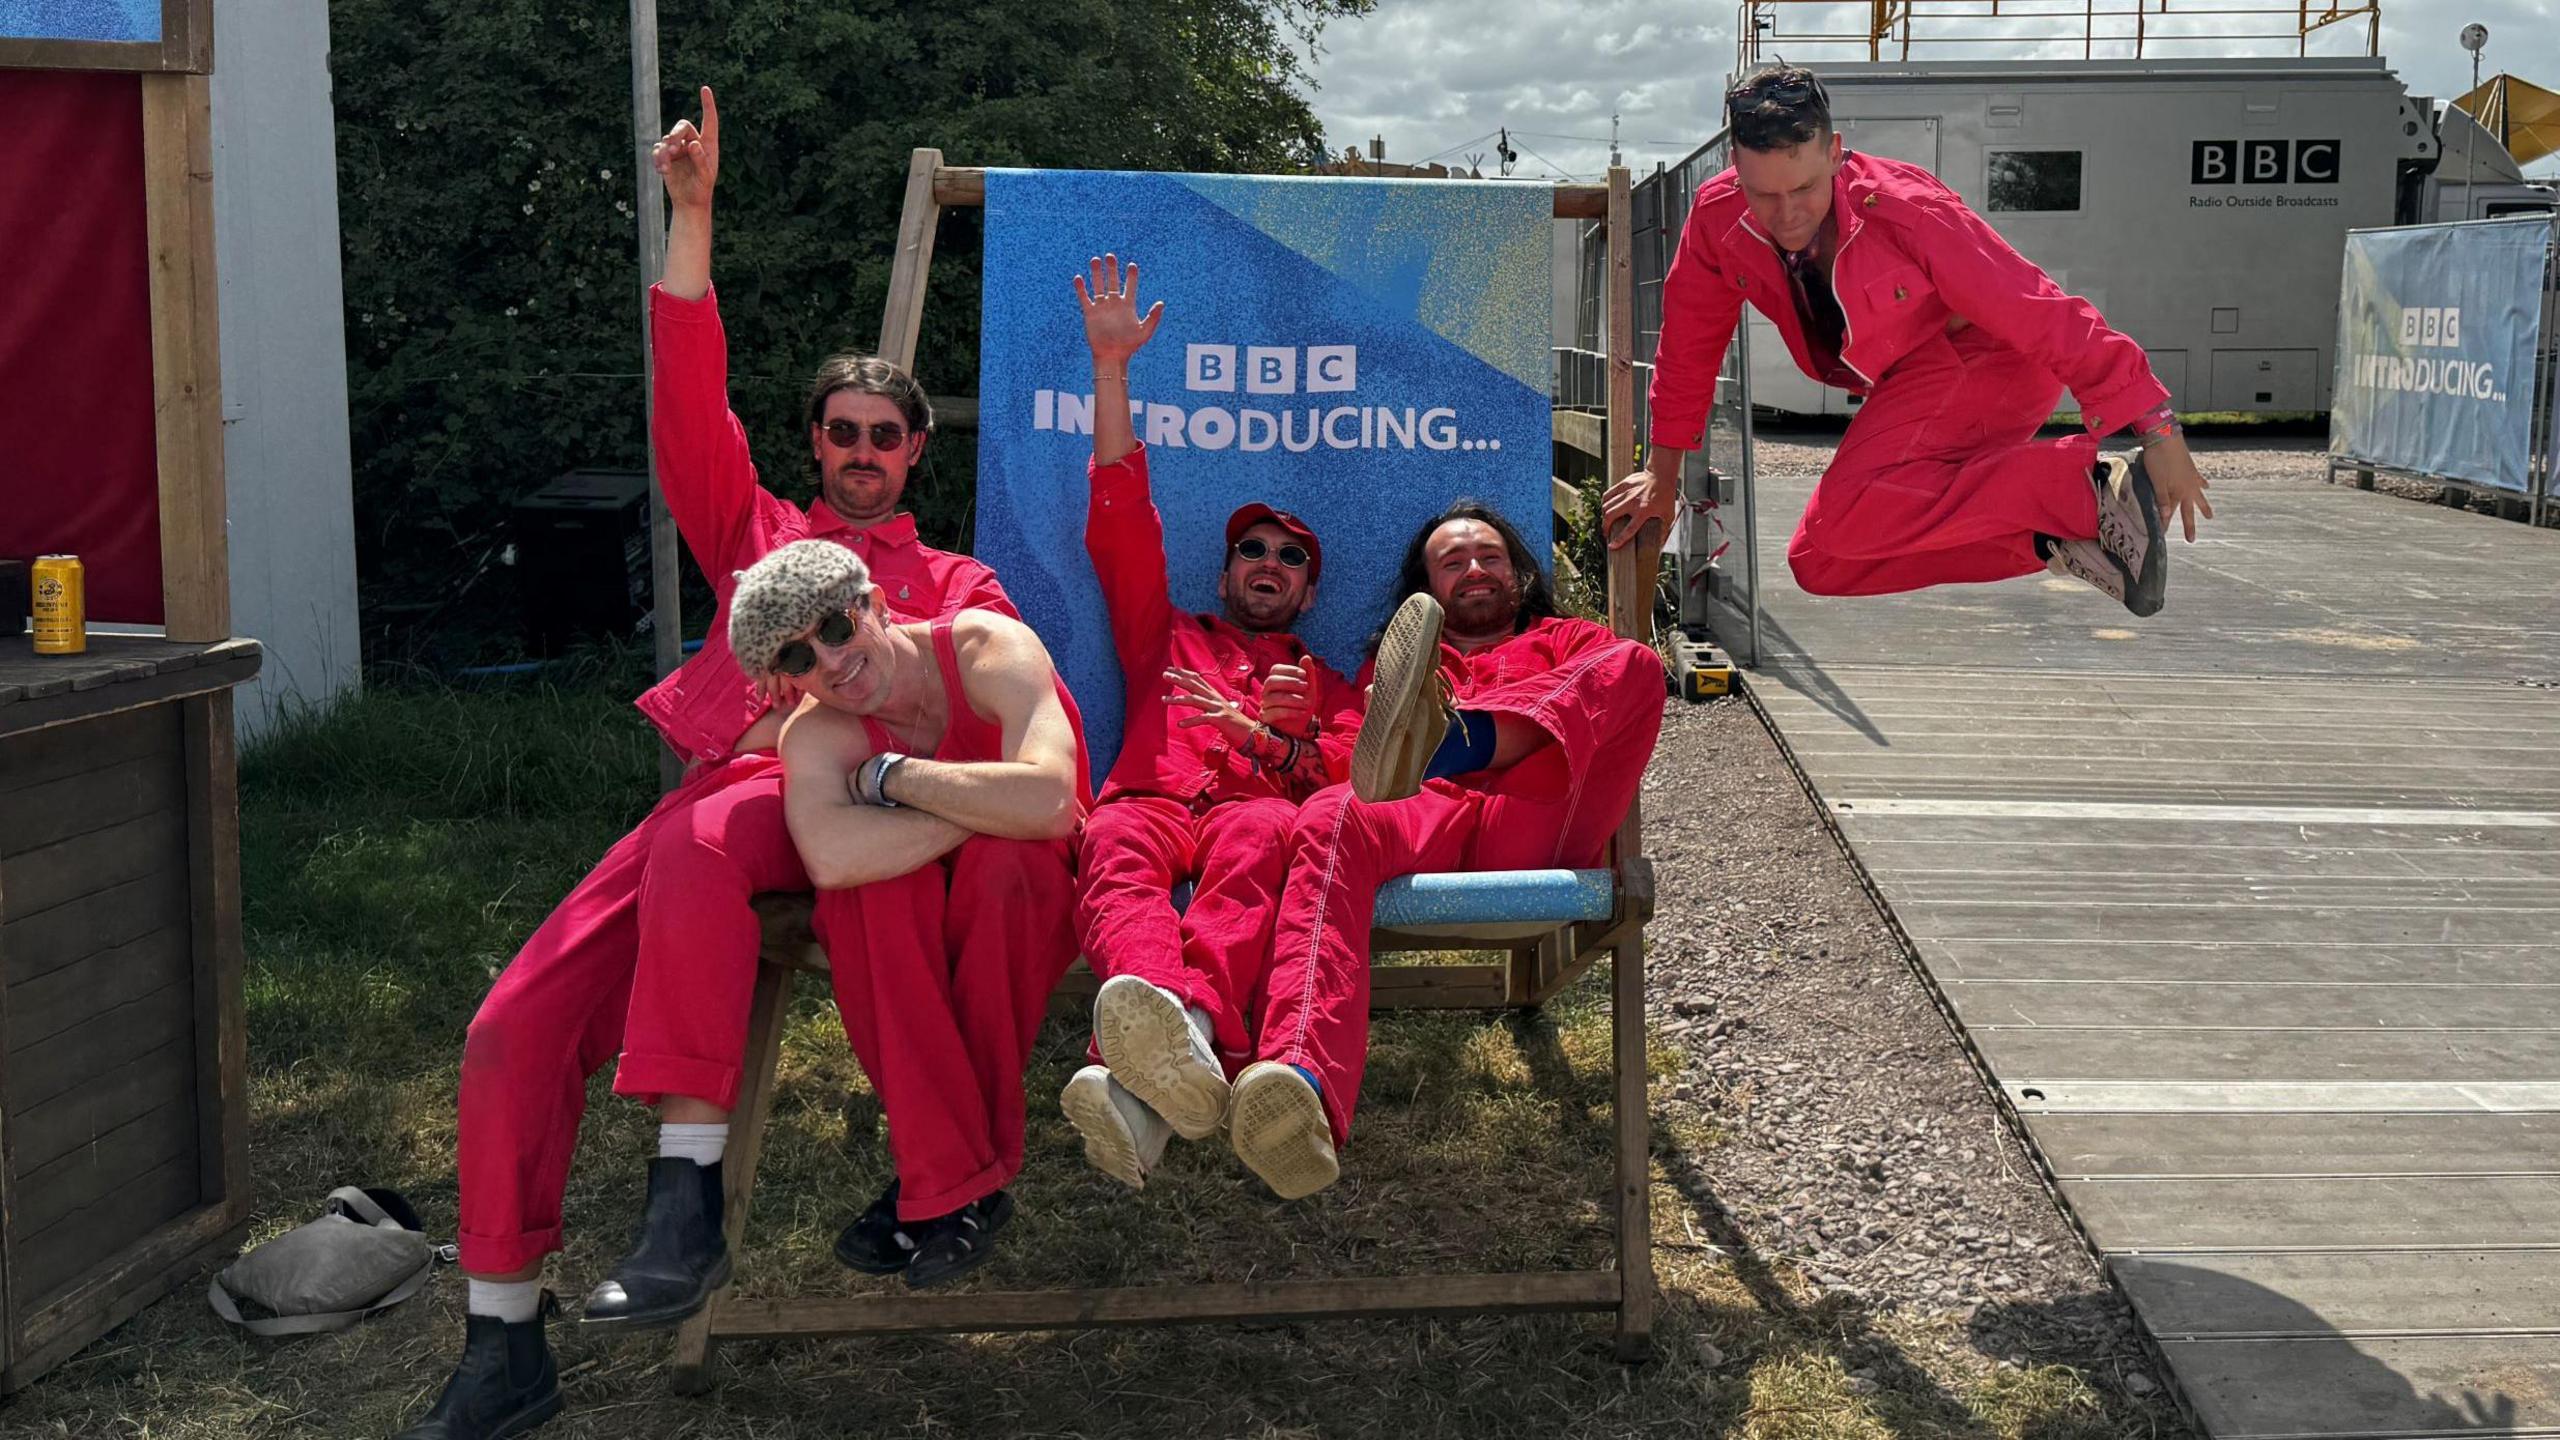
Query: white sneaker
(1122, 1137)
(1279, 1130)
(1156, 1047)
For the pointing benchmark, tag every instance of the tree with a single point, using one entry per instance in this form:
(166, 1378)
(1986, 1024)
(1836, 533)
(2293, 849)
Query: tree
(485, 193)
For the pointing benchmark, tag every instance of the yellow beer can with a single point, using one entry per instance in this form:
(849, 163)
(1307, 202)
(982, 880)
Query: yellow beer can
(61, 605)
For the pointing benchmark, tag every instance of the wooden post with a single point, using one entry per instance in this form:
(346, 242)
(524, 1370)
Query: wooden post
(666, 593)
(222, 1024)
(186, 356)
(694, 1340)
(901, 317)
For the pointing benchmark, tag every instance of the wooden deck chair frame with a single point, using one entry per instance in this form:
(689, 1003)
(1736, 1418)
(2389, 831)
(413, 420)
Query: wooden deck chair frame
(1538, 966)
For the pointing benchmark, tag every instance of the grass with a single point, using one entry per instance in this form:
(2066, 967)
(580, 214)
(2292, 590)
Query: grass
(397, 849)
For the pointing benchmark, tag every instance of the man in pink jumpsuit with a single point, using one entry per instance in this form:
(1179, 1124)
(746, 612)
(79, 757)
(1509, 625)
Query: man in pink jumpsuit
(679, 884)
(1886, 285)
(1499, 736)
(1223, 741)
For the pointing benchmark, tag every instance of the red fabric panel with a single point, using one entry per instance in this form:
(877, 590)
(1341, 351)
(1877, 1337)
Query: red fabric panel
(78, 467)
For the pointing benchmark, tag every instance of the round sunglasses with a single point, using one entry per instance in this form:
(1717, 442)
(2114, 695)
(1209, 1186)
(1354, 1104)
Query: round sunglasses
(885, 434)
(1254, 547)
(796, 658)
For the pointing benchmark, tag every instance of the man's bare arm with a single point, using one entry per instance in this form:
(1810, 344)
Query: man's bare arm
(689, 161)
(843, 844)
(1029, 794)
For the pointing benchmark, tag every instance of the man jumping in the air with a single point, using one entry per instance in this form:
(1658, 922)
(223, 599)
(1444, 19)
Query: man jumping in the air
(1885, 284)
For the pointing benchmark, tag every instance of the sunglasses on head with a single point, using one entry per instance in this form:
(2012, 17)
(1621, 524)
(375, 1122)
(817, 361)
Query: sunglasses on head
(1254, 547)
(885, 434)
(797, 658)
(1792, 87)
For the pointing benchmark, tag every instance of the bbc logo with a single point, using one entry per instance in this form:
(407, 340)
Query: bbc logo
(2264, 162)
(2431, 327)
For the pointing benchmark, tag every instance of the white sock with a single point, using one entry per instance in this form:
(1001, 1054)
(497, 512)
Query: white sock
(513, 1301)
(701, 1144)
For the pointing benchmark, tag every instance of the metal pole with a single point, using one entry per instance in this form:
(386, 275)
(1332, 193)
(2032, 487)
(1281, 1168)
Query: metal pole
(2546, 425)
(666, 600)
(1750, 491)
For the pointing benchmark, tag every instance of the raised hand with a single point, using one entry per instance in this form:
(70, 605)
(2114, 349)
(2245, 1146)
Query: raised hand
(1111, 322)
(1287, 705)
(688, 160)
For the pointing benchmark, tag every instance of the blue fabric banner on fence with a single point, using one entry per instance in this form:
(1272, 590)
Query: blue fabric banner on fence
(1358, 352)
(2437, 331)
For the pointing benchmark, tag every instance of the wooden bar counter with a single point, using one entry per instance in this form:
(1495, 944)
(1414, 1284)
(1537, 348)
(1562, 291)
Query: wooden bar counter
(122, 1055)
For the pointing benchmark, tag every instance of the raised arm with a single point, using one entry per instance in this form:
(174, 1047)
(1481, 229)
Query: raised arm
(1115, 333)
(688, 160)
(704, 468)
(1122, 530)
(1029, 793)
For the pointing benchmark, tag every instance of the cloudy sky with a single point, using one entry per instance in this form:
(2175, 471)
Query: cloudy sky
(1435, 77)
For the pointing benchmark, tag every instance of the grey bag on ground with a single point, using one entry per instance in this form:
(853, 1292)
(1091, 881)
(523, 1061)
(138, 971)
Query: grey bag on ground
(364, 1253)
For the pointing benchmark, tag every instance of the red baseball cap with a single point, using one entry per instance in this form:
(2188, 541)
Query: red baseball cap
(1246, 517)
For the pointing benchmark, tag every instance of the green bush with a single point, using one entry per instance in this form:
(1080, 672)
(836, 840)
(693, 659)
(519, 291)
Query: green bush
(486, 191)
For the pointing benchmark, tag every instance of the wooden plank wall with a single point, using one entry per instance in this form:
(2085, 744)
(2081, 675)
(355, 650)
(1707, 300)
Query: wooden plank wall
(100, 1124)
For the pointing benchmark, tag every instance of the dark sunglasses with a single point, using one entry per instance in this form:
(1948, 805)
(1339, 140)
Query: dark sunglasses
(796, 658)
(885, 434)
(1254, 547)
(1788, 88)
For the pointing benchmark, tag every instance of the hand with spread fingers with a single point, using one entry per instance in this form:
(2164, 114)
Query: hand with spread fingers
(1112, 325)
(1193, 691)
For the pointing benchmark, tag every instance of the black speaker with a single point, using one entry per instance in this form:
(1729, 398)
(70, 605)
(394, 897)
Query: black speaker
(582, 558)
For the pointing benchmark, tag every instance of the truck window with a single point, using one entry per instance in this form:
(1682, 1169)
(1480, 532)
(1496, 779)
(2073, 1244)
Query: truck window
(2034, 180)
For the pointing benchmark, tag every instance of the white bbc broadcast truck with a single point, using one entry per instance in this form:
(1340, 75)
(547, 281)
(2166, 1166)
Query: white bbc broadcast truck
(2202, 205)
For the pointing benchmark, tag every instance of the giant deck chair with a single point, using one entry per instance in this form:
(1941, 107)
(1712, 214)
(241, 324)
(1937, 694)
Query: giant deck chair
(1552, 925)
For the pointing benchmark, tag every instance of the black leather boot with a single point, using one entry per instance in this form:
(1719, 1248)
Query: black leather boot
(506, 1384)
(681, 1257)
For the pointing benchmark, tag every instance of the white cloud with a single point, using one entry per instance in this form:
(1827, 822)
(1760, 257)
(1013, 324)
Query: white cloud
(1433, 75)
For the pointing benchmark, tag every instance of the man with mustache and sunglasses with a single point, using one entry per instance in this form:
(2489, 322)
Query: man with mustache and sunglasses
(1223, 741)
(934, 788)
(1887, 285)
(653, 955)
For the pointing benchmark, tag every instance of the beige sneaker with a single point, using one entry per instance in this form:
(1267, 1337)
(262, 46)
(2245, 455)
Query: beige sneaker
(1409, 708)
(1279, 1131)
(1122, 1137)
(2087, 560)
(1153, 1048)
(2129, 530)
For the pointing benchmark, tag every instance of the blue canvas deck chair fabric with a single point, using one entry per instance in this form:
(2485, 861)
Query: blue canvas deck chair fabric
(1546, 927)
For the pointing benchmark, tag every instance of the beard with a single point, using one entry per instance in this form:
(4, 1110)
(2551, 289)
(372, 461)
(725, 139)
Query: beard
(1249, 611)
(1485, 612)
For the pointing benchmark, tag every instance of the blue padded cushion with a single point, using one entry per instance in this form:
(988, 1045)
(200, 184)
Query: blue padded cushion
(1491, 897)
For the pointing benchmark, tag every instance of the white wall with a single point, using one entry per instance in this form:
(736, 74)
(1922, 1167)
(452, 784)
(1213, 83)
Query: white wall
(284, 354)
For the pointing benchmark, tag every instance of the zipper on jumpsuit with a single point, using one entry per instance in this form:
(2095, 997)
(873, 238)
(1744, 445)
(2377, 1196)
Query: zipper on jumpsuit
(1848, 328)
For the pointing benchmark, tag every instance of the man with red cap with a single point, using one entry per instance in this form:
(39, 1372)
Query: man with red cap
(1228, 715)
